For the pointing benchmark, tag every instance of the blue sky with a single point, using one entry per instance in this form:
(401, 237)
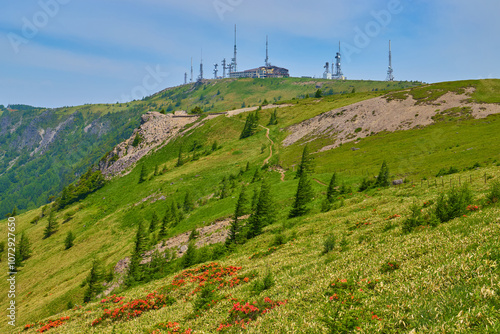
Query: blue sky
(71, 52)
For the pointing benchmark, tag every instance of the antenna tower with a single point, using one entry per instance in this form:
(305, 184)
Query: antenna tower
(185, 77)
(233, 60)
(216, 70)
(338, 64)
(390, 71)
(191, 69)
(201, 67)
(268, 64)
(224, 68)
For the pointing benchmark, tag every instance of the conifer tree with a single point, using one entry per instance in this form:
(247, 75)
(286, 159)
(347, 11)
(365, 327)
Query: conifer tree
(251, 125)
(135, 272)
(14, 212)
(306, 163)
(68, 242)
(93, 282)
(256, 175)
(274, 118)
(240, 210)
(214, 146)
(143, 174)
(331, 193)
(174, 212)
(188, 204)
(302, 198)
(383, 176)
(255, 200)
(165, 222)
(264, 213)
(154, 222)
(190, 256)
(247, 168)
(51, 226)
(156, 170)
(24, 247)
(180, 160)
(318, 94)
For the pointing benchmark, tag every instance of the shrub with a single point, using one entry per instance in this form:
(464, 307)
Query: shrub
(329, 244)
(444, 171)
(453, 204)
(366, 184)
(278, 240)
(416, 219)
(206, 298)
(494, 193)
(261, 285)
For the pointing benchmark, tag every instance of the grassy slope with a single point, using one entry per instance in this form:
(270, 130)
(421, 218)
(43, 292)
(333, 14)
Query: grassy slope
(105, 224)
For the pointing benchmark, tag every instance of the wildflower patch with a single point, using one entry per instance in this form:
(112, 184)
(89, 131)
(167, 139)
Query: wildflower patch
(345, 311)
(243, 313)
(170, 328)
(135, 308)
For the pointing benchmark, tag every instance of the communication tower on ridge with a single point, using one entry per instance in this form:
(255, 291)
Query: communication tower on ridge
(390, 71)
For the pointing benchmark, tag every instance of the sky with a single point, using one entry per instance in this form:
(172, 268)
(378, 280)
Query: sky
(58, 53)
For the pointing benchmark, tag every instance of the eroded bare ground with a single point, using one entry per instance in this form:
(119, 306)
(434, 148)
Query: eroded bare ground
(156, 130)
(215, 233)
(361, 119)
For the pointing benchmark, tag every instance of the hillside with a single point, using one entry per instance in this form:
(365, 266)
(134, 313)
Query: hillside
(437, 277)
(59, 145)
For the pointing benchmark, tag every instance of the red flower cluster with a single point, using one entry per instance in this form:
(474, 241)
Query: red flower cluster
(135, 308)
(113, 299)
(212, 273)
(472, 208)
(50, 324)
(28, 326)
(171, 327)
(393, 217)
(243, 313)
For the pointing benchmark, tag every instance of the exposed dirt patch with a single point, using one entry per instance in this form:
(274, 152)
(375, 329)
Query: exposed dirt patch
(156, 130)
(376, 115)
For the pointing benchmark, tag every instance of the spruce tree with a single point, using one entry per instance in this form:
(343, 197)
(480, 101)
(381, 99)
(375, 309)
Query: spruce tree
(135, 272)
(154, 222)
(240, 210)
(274, 118)
(256, 175)
(247, 168)
(24, 247)
(165, 222)
(302, 198)
(176, 215)
(306, 163)
(383, 176)
(156, 170)
(180, 160)
(14, 212)
(143, 174)
(190, 256)
(214, 146)
(331, 193)
(318, 94)
(264, 212)
(255, 200)
(51, 226)
(93, 282)
(188, 204)
(68, 242)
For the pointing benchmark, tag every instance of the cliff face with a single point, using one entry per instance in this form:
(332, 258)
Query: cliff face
(156, 130)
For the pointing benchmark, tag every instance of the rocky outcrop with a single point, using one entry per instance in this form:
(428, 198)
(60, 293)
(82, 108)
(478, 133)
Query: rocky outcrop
(155, 131)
